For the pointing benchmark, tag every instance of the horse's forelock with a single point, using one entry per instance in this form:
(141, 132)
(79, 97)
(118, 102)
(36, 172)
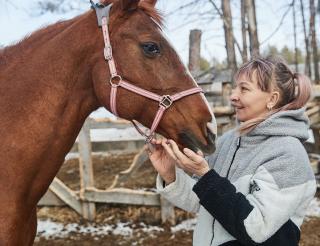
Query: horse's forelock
(152, 12)
(146, 7)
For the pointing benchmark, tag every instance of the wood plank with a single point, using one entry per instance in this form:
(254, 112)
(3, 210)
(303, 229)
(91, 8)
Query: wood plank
(313, 110)
(137, 162)
(86, 170)
(316, 91)
(226, 92)
(66, 194)
(123, 196)
(316, 136)
(107, 123)
(314, 119)
(50, 199)
(223, 111)
(167, 211)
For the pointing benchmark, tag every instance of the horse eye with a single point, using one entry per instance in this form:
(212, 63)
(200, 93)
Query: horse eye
(150, 49)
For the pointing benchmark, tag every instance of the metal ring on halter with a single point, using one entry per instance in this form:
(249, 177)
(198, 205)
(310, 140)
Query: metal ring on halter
(166, 101)
(113, 78)
(148, 135)
(149, 138)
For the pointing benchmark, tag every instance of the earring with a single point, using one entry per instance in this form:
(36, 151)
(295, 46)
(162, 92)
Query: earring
(269, 107)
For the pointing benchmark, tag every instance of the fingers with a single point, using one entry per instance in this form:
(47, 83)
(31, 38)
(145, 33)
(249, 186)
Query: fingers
(193, 156)
(156, 141)
(168, 149)
(199, 152)
(185, 159)
(181, 157)
(153, 146)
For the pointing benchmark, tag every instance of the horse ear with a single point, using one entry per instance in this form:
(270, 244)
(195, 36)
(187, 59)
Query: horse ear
(151, 2)
(129, 4)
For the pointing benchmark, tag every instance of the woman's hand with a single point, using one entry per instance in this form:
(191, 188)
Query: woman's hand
(189, 161)
(163, 159)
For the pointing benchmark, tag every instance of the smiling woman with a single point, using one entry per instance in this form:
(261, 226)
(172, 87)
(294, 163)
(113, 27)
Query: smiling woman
(267, 86)
(249, 100)
(254, 190)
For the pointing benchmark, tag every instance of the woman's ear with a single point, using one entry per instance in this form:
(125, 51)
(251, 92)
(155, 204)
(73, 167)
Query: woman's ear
(273, 99)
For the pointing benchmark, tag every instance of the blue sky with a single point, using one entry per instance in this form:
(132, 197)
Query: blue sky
(18, 18)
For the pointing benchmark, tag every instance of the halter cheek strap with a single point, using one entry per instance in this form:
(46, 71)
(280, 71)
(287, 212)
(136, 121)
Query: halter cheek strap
(116, 80)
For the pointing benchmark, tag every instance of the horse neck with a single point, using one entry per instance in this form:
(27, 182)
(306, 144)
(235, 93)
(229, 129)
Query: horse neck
(48, 93)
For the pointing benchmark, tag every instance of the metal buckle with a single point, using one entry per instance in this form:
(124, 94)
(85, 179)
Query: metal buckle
(96, 5)
(148, 135)
(107, 51)
(166, 101)
(115, 80)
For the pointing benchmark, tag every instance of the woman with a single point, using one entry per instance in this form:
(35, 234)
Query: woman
(254, 190)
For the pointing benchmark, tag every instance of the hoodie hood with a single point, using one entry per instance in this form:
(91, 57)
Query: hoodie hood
(293, 123)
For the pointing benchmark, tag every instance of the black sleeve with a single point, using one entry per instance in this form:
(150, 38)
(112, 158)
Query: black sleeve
(220, 198)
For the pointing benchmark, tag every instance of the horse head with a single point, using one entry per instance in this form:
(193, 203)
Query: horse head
(144, 58)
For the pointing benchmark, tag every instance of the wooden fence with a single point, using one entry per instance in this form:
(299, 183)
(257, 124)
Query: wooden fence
(84, 201)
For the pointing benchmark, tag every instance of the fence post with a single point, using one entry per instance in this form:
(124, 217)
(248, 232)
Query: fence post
(226, 92)
(316, 135)
(167, 211)
(194, 50)
(86, 171)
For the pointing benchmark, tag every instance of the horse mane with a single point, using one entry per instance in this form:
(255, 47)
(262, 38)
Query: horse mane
(35, 38)
(145, 7)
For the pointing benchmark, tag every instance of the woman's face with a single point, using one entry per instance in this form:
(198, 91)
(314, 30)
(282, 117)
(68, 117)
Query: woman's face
(249, 100)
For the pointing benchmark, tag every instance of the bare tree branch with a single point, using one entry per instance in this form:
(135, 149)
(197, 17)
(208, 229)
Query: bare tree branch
(16, 6)
(185, 6)
(306, 41)
(280, 23)
(225, 22)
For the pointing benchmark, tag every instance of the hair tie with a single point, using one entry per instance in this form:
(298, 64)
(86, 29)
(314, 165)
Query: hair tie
(294, 76)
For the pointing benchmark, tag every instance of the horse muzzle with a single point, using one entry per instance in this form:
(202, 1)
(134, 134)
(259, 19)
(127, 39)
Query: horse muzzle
(188, 139)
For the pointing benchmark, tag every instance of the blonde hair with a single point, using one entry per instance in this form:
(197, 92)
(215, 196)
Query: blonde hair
(274, 74)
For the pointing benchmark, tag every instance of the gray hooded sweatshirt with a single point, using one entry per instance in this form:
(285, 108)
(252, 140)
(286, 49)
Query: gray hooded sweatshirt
(258, 189)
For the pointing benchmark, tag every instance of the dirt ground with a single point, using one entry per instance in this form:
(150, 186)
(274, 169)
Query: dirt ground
(105, 168)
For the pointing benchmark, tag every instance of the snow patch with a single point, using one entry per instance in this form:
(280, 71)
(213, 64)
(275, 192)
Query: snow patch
(187, 225)
(49, 229)
(314, 208)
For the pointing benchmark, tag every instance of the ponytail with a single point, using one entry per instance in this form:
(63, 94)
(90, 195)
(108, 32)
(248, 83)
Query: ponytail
(303, 94)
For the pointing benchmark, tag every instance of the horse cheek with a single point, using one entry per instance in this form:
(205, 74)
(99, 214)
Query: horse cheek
(101, 84)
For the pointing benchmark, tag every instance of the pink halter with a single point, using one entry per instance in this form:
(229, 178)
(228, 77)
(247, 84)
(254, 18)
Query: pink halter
(116, 80)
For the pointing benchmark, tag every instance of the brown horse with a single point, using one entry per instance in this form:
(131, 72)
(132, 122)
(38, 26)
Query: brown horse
(53, 79)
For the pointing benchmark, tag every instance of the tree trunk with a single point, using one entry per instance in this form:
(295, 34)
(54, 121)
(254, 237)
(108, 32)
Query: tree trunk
(295, 36)
(314, 41)
(253, 31)
(194, 50)
(228, 32)
(307, 68)
(244, 31)
(318, 8)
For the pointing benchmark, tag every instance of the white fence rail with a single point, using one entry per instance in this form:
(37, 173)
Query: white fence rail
(84, 201)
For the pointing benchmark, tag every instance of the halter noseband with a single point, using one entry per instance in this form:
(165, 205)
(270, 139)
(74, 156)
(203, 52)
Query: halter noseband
(116, 80)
